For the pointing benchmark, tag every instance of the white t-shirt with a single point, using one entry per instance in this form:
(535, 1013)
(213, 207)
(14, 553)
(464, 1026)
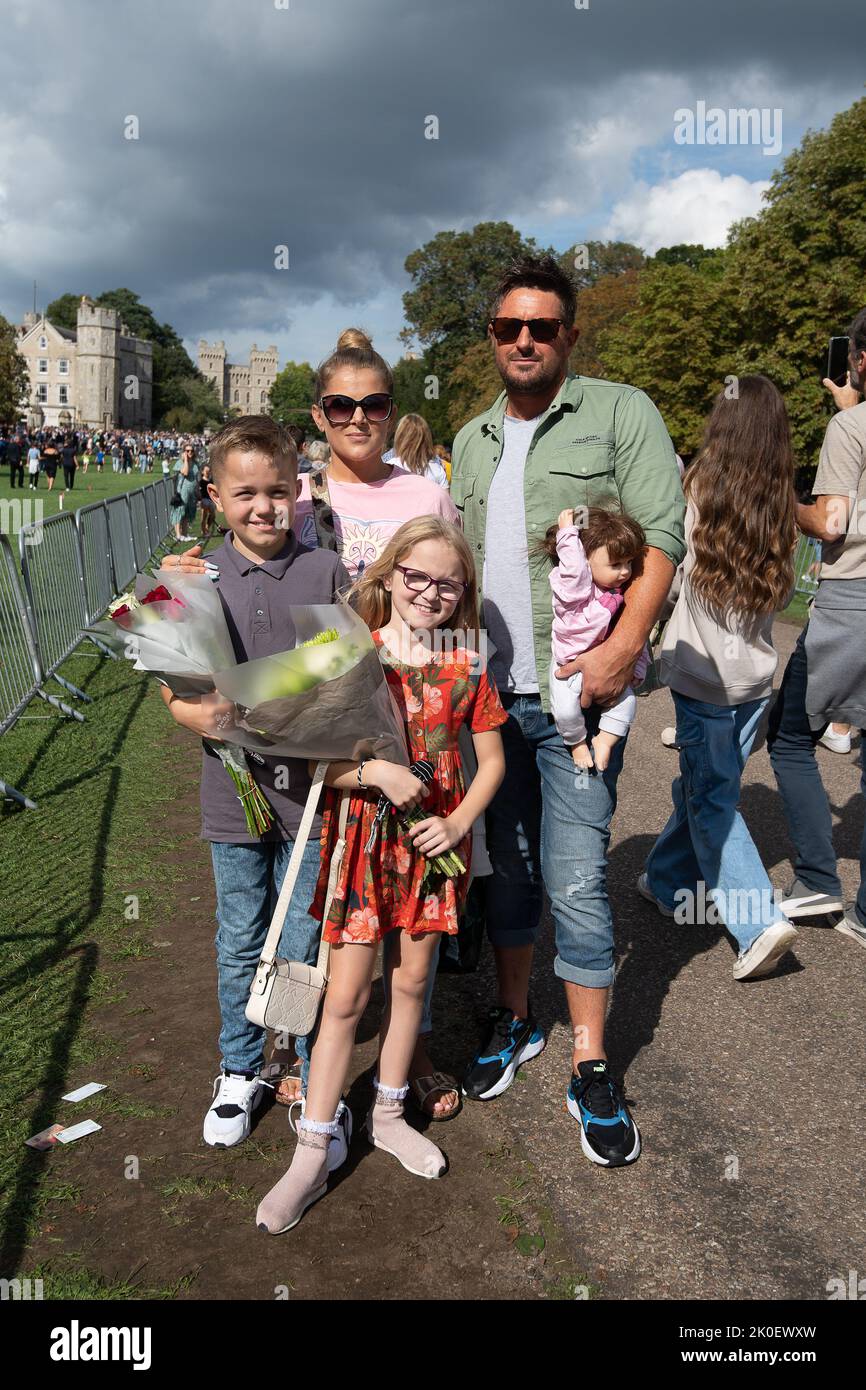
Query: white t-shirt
(435, 469)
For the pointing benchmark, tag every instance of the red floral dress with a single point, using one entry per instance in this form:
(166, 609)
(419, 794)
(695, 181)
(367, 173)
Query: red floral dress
(382, 892)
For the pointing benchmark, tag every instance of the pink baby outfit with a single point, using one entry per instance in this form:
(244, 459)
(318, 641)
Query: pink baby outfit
(582, 615)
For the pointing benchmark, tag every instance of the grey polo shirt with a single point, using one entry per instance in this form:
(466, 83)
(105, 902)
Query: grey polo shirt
(256, 597)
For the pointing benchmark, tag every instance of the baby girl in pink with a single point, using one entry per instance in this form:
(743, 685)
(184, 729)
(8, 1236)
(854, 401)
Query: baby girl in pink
(593, 563)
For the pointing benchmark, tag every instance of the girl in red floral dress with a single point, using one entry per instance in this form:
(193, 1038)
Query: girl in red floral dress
(420, 600)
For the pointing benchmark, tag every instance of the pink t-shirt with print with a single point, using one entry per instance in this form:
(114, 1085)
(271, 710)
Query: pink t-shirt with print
(366, 515)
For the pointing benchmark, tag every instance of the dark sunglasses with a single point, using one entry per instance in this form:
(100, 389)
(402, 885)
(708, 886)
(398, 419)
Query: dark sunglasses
(338, 410)
(417, 581)
(509, 330)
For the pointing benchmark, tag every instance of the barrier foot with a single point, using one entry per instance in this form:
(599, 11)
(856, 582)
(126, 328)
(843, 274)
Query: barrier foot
(13, 795)
(106, 651)
(59, 704)
(73, 689)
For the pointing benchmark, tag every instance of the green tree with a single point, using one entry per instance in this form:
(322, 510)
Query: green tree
(588, 262)
(601, 307)
(454, 277)
(199, 407)
(798, 269)
(707, 259)
(292, 395)
(419, 391)
(63, 312)
(678, 344)
(14, 376)
(473, 386)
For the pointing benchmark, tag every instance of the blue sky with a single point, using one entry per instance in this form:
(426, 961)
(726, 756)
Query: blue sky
(261, 126)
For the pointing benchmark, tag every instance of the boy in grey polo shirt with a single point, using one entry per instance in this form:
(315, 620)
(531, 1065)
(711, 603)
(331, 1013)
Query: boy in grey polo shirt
(262, 571)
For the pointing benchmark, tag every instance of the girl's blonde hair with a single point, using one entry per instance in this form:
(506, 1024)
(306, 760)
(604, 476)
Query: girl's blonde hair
(742, 486)
(413, 443)
(372, 601)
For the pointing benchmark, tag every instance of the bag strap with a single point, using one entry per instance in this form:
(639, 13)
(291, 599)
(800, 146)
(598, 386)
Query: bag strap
(336, 860)
(269, 949)
(323, 512)
(272, 939)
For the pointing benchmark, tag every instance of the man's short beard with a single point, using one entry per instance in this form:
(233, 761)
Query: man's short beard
(530, 385)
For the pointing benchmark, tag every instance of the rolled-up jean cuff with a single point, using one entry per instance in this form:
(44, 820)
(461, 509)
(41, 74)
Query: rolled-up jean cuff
(592, 979)
(502, 936)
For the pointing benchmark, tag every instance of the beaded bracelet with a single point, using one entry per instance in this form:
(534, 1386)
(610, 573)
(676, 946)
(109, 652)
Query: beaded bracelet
(362, 764)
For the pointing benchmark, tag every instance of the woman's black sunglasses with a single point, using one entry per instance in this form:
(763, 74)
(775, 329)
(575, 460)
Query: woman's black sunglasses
(338, 410)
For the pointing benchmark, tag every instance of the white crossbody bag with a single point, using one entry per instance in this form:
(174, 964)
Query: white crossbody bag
(286, 995)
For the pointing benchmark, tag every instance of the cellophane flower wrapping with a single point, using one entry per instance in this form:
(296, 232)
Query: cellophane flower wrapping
(326, 702)
(182, 638)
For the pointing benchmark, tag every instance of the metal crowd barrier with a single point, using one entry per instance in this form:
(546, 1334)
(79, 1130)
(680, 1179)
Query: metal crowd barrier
(140, 538)
(21, 675)
(99, 590)
(120, 536)
(72, 566)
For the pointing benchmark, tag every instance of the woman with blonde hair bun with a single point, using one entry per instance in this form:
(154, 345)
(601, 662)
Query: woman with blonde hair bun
(415, 451)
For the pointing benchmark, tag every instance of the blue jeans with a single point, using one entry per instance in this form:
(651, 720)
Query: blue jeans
(550, 822)
(706, 849)
(791, 745)
(248, 879)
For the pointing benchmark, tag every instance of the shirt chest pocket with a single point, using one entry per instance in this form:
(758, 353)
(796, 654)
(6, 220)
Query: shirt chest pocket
(462, 488)
(583, 476)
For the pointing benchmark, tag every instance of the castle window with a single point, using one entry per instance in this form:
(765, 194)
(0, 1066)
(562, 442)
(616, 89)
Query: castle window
(248, 398)
(42, 393)
(43, 342)
(237, 395)
(43, 366)
(63, 366)
(64, 395)
(263, 397)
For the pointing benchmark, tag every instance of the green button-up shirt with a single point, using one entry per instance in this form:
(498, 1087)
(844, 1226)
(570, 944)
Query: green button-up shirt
(599, 444)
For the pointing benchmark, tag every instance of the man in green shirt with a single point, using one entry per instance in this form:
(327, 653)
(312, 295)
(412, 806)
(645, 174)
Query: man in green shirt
(553, 441)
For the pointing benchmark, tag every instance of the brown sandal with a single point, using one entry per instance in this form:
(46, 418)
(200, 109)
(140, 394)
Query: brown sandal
(437, 1084)
(285, 1079)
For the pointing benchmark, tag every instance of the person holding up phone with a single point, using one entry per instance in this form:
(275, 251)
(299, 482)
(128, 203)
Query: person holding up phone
(825, 679)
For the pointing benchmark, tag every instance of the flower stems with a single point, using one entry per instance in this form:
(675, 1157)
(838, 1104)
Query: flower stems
(258, 813)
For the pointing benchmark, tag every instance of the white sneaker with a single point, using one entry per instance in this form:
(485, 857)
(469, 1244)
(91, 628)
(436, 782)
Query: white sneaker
(338, 1148)
(765, 951)
(235, 1096)
(850, 925)
(837, 743)
(645, 891)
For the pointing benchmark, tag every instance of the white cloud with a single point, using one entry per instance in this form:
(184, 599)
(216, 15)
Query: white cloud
(697, 206)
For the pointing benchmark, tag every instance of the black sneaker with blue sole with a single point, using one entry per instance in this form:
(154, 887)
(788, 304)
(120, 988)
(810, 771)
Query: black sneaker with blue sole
(608, 1134)
(508, 1041)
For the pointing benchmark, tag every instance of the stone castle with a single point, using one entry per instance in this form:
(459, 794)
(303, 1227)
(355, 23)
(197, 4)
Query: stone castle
(100, 375)
(247, 389)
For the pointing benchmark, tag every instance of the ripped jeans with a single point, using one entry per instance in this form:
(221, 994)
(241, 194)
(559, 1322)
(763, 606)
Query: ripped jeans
(550, 822)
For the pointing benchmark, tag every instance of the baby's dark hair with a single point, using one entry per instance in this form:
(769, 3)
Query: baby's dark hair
(623, 536)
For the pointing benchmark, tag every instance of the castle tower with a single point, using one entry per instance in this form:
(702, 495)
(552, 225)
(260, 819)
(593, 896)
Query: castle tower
(98, 381)
(264, 365)
(212, 364)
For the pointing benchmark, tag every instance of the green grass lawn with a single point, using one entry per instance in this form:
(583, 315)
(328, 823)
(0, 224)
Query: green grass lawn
(68, 869)
(89, 487)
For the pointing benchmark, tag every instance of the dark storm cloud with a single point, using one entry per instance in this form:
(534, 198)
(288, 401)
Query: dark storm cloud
(261, 126)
